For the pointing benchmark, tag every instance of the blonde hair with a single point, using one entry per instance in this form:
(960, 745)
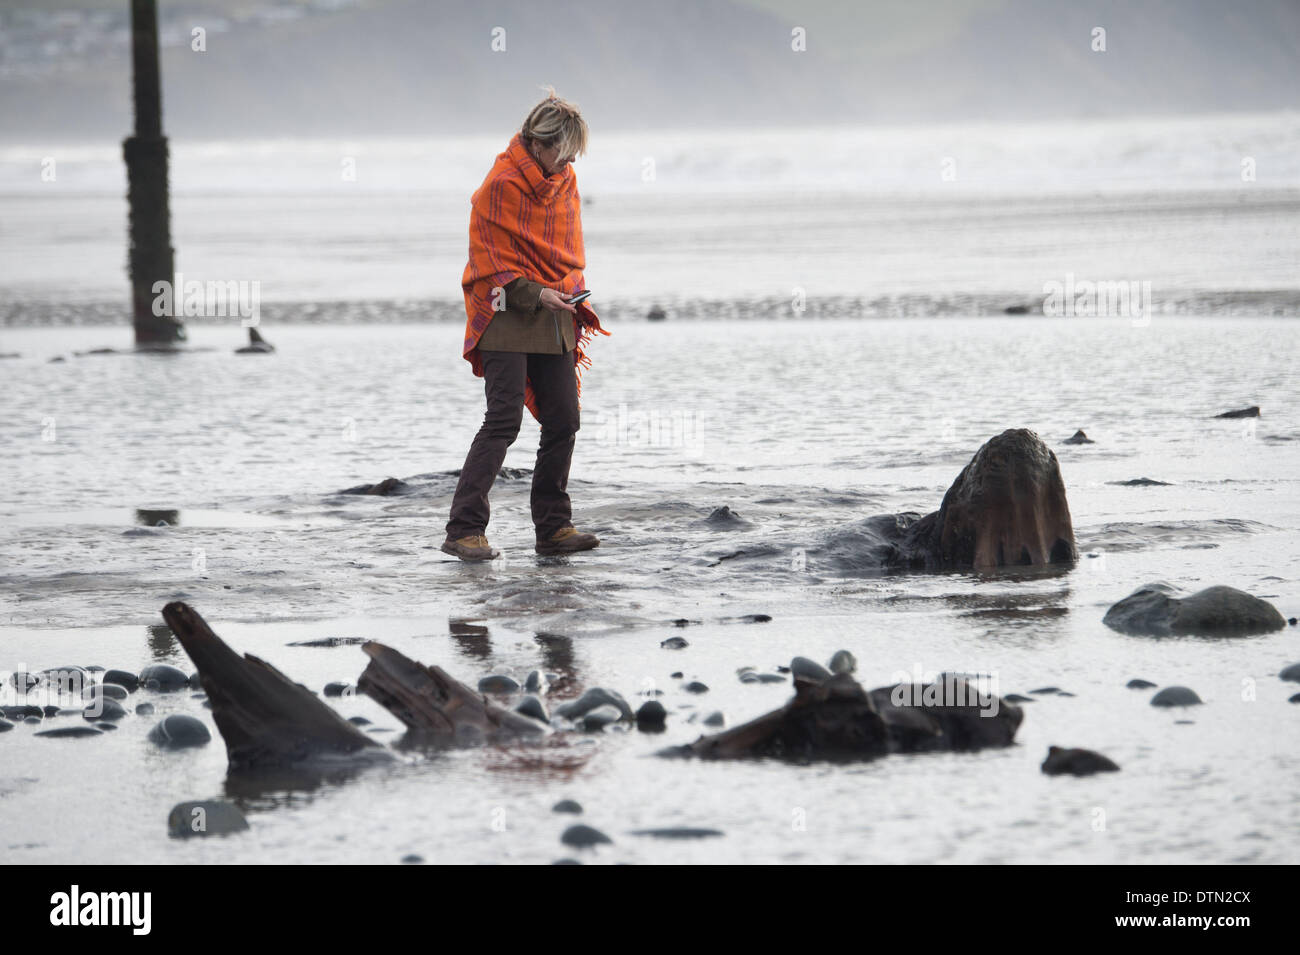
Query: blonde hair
(556, 122)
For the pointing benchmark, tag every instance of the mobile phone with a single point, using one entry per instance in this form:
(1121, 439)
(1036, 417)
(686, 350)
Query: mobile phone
(580, 297)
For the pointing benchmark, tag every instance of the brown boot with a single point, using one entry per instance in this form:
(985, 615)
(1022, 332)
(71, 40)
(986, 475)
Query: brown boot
(567, 540)
(474, 547)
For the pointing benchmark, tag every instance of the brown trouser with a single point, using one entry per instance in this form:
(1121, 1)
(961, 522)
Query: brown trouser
(504, 373)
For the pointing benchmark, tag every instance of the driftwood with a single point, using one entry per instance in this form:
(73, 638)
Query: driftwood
(835, 719)
(265, 718)
(1007, 507)
(434, 704)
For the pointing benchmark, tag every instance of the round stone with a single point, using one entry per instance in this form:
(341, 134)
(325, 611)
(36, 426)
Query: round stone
(166, 677)
(1175, 696)
(178, 731)
(584, 837)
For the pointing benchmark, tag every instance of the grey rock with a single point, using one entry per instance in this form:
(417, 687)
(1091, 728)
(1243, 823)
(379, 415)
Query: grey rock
(70, 732)
(358, 721)
(600, 717)
(1017, 698)
(584, 837)
(104, 709)
(1175, 696)
(5, 726)
(107, 691)
(594, 697)
(1139, 684)
(1076, 762)
(412, 859)
(164, 677)
(1291, 673)
(20, 711)
(497, 683)
(144, 709)
(674, 643)
(1295, 698)
(804, 669)
(651, 715)
(568, 805)
(695, 686)
(715, 719)
(105, 725)
(208, 817)
(532, 706)
(128, 681)
(535, 682)
(753, 677)
(843, 662)
(1157, 610)
(1046, 691)
(1078, 438)
(33, 721)
(1251, 412)
(178, 731)
(678, 832)
(339, 689)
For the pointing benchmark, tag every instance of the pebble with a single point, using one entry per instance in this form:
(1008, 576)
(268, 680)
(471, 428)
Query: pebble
(5, 726)
(1046, 690)
(497, 683)
(33, 721)
(651, 715)
(164, 677)
(128, 681)
(568, 805)
(1017, 698)
(209, 817)
(803, 668)
(752, 677)
(535, 682)
(1291, 673)
(584, 837)
(594, 697)
(413, 859)
(1137, 684)
(715, 719)
(843, 662)
(110, 691)
(1076, 762)
(102, 709)
(144, 709)
(21, 711)
(70, 732)
(533, 707)
(678, 832)
(695, 686)
(339, 688)
(674, 643)
(1294, 699)
(178, 731)
(600, 717)
(677, 675)
(358, 721)
(1175, 696)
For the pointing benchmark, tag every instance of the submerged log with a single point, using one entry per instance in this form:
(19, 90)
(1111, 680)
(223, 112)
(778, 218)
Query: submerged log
(265, 718)
(434, 704)
(835, 719)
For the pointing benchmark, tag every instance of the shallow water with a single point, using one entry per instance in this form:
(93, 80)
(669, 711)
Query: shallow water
(817, 426)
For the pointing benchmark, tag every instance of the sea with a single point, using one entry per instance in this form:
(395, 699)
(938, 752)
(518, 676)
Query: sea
(847, 315)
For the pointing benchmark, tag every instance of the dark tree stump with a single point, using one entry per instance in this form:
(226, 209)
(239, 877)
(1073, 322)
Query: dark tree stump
(265, 718)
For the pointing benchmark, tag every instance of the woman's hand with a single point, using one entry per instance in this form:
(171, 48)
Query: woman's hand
(554, 301)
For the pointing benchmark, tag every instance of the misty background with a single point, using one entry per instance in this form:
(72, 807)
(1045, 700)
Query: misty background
(393, 67)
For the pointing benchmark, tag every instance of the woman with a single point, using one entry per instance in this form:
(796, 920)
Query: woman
(523, 336)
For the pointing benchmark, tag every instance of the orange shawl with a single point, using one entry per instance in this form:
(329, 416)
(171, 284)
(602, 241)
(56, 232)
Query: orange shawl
(525, 224)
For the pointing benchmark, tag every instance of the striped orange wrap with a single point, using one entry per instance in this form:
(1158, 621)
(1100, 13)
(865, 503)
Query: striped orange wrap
(524, 224)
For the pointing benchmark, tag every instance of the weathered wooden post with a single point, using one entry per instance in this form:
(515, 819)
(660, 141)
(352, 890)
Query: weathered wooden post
(151, 254)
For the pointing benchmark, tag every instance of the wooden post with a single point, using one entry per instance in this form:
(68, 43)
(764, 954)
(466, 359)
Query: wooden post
(150, 255)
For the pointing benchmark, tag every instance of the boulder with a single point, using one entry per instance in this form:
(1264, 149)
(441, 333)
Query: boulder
(1156, 610)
